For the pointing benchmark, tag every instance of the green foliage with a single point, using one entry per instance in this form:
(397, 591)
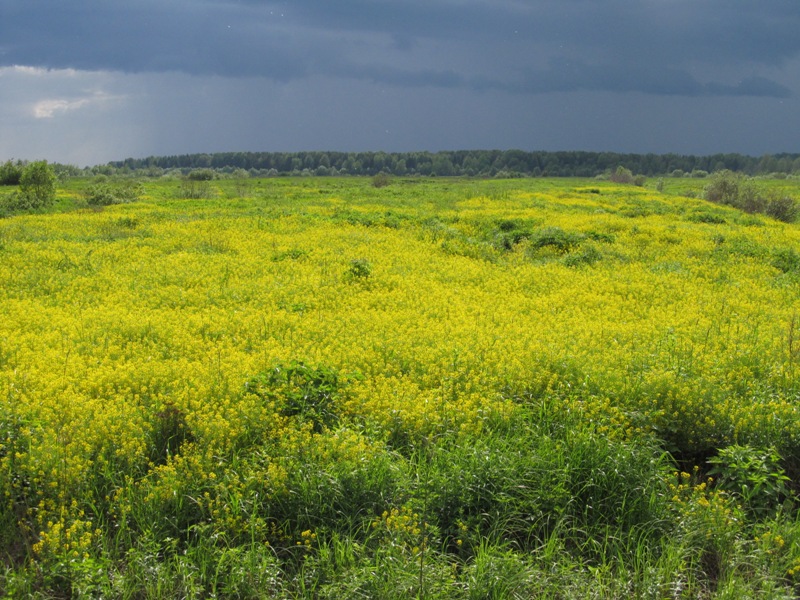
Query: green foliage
(194, 189)
(470, 163)
(753, 475)
(291, 254)
(782, 208)
(510, 234)
(37, 188)
(786, 260)
(587, 255)
(168, 433)
(310, 394)
(739, 191)
(724, 188)
(201, 175)
(555, 239)
(622, 175)
(359, 268)
(105, 193)
(706, 216)
(381, 180)
(11, 173)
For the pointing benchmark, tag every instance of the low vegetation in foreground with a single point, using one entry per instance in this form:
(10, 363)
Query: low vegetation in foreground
(324, 388)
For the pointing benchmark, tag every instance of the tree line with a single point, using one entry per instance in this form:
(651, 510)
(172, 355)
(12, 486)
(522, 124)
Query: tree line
(472, 163)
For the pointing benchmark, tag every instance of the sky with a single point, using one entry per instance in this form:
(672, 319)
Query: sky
(85, 82)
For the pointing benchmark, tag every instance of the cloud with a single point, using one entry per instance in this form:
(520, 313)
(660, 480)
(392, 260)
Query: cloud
(51, 107)
(573, 76)
(47, 109)
(69, 85)
(648, 46)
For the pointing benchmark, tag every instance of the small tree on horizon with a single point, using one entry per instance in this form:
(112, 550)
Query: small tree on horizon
(621, 175)
(37, 185)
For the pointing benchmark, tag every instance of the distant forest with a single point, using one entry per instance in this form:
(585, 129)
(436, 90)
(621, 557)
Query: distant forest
(473, 163)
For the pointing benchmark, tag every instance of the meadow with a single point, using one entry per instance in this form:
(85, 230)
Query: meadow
(440, 388)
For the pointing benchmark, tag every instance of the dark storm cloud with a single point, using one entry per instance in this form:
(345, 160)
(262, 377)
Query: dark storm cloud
(649, 46)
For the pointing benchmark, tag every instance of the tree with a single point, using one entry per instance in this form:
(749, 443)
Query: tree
(10, 173)
(37, 185)
(621, 175)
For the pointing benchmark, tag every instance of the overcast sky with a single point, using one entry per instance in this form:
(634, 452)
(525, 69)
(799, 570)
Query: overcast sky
(89, 81)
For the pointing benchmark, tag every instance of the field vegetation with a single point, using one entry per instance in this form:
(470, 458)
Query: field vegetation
(426, 388)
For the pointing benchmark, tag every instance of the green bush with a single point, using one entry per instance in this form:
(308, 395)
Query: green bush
(10, 173)
(310, 394)
(622, 175)
(786, 260)
(783, 208)
(201, 175)
(194, 189)
(734, 189)
(587, 255)
(381, 180)
(37, 188)
(360, 268)
(555, 238)
(103, 193)
(754, 475)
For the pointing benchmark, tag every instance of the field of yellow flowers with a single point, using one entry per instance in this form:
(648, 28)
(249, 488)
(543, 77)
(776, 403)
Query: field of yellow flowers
(435, 389)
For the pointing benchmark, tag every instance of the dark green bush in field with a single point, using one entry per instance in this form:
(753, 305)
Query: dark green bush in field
(754, 475)
(555, 238)
(724, 188)
(201, 175)
(587, 255)
(508, 234)
(195, 189)
(37, 188)
(308, 393)
(783, 208)
(739, 191)
(359, 268)
(786, 260)
(38, 184)
(105, 193)
(622, 175)
(706, 216)
(381, 180)
(10, 173)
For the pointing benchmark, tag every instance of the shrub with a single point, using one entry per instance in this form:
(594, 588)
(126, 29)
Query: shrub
(10, 173)
(705, 216)
(724, 188)
(622, 175)
(555, 238)
(381, 180)
(37, 185)
(201, 175)
(734, 189)
(587, 255)
(786, 260)
(310, 394)
(359, 268)
(103, 193)
(754, 475)
(783, 208)
(194, 189)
